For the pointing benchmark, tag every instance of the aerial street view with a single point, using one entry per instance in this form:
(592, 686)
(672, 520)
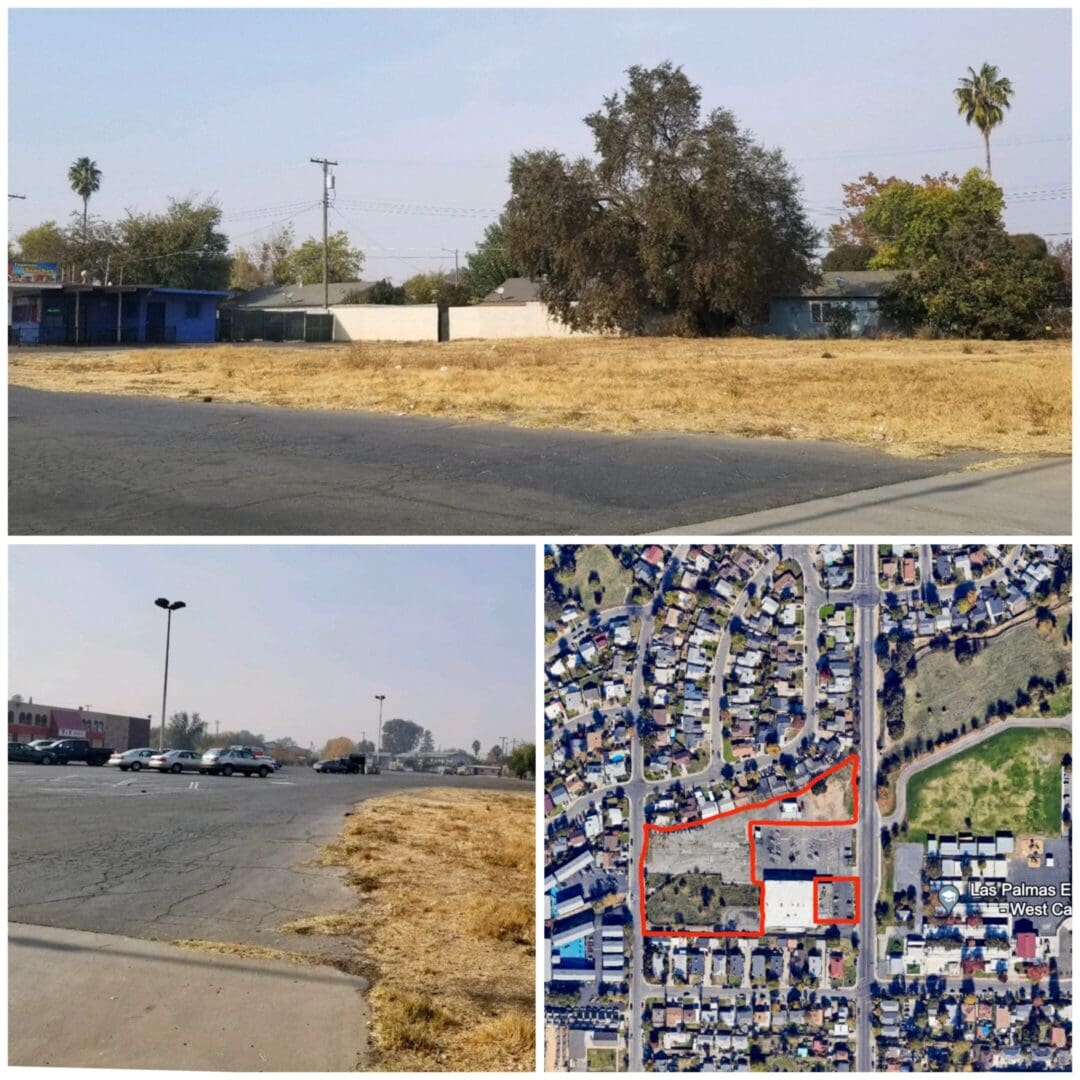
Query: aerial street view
(303, 839)
(595, 284)
(807, 808)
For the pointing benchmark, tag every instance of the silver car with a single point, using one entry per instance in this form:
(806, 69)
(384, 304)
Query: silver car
(227, 761)
(132, 759)
(176, 761)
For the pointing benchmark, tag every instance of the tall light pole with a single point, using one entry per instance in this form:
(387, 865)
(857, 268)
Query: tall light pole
(380, 698)
(176, 605)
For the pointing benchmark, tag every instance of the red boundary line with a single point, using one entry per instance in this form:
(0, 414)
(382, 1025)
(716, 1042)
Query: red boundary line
(851, 759)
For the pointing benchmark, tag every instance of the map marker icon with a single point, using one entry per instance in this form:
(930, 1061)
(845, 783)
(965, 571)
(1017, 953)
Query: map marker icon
(948, 895)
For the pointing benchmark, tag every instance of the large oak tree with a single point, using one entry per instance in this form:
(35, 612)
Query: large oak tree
(682, 223)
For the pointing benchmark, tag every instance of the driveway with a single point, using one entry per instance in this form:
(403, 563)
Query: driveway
(103, 465)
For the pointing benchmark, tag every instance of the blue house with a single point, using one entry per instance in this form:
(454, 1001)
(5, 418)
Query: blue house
(809, 313)
(72, 313)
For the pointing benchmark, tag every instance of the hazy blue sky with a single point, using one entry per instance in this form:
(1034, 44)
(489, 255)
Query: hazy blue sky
(283, 640)
(426, 106)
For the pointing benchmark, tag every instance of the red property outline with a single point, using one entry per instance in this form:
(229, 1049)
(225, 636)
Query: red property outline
(836, 922)
(851, 759)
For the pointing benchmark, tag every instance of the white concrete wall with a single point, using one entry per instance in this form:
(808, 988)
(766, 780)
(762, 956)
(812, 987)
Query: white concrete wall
(385, 322)
(509, 320)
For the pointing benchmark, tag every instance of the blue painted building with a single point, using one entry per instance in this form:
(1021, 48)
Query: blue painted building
(809, 313)
(78, 314)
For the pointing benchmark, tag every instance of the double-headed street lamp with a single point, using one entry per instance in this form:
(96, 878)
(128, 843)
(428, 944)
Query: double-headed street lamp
(380, 698)
(176, 605)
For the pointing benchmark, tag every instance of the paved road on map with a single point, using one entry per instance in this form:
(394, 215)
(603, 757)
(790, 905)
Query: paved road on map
(99, 464)
(189, 856)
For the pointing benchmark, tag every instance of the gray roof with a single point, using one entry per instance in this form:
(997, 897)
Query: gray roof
(296, 296)
(514, 290)
(849, 284)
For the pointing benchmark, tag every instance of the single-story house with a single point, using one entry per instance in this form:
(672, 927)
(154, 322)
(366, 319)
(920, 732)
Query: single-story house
(290, 312)
(276, 297)
(74, 313)
(808, 314)
(515, 290)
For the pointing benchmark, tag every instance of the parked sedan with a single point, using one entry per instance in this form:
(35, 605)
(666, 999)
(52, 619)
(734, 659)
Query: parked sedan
(17, 751)
(132, 759)
(176, 761)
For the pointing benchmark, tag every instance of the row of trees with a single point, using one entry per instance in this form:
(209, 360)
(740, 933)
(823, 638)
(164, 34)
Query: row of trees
(679, 223)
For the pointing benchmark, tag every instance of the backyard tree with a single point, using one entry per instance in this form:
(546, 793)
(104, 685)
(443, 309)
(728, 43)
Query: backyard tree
(305, 264)
(490, 264)
(181, 248)
(46, 242)
(84, 176)
(982, 97)
(184, 731)
(476, 748)
(401, 736)
(523, 761)
(681, 223)
(384, 291)
(339, 747)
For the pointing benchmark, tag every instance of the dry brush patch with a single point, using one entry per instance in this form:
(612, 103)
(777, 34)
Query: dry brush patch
(446, 920)
(906, 396)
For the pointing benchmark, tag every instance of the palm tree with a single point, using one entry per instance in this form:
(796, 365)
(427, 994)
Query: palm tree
(476, 748)
(982, 98)
(85, 178)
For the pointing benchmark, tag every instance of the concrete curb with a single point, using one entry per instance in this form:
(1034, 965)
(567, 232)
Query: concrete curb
(1034, 499)
(86, 1000)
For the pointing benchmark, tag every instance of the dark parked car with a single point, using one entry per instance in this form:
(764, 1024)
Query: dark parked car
(337, 765)
(64, 751)
(17, 751)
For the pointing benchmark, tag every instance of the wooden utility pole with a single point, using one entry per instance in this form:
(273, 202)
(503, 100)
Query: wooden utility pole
(325, 235)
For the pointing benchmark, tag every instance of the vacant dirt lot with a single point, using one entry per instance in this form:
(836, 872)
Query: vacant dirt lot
(944, 693)
(908, 397)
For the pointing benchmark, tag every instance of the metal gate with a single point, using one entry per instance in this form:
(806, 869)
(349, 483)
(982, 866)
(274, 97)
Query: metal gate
(242, 324)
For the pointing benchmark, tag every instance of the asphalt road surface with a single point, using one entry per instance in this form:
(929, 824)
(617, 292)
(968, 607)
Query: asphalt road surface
(165, 857)
(95, 464)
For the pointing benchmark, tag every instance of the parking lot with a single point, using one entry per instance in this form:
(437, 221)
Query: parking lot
(184, 856)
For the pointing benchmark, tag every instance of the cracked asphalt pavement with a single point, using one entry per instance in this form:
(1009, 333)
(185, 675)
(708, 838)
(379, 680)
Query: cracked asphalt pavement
(152, 856)
(93, 464)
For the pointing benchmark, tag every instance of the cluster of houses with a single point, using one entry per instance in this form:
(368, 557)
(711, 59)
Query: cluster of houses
(693, 1031)
(931, 1028)
(586, 699)
(956, 563)
(898, 566)
(764, 677)
(984, 594)
(680, 661)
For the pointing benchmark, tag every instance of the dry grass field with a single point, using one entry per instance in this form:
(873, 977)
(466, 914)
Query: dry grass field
(446, 921)
(907, 397)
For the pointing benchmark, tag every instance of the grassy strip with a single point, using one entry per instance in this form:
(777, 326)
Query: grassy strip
(1010, 781)
(446, 919)
(1005, 397)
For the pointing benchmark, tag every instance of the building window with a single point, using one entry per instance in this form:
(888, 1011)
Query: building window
(25, 309)
(192, 309)
(821, 311)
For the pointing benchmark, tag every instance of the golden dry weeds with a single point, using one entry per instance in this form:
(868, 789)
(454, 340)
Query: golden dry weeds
(446, 881)
(908, 397)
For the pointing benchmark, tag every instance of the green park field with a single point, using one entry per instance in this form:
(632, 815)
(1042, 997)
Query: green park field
(1011, 781)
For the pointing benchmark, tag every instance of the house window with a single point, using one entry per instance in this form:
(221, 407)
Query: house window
(192, 309)
(821, 311)
(25, 309)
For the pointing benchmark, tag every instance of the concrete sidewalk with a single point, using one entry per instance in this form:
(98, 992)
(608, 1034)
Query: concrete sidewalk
(85, 1000)
(1033, 499)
